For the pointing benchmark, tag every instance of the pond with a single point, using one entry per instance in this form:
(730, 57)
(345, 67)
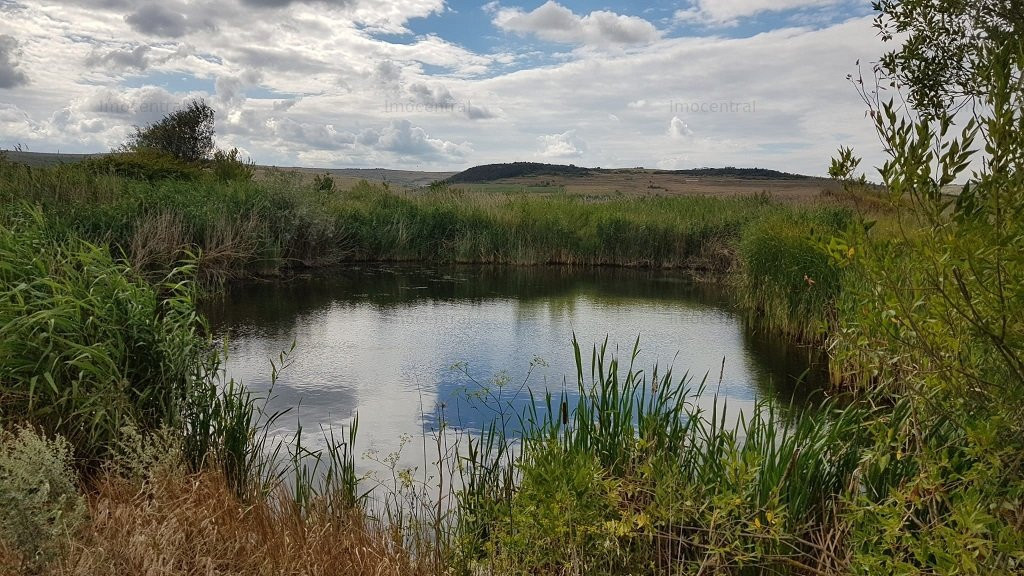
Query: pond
(404, 346)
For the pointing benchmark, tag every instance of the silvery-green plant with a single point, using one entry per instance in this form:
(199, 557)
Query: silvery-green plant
(40, 505)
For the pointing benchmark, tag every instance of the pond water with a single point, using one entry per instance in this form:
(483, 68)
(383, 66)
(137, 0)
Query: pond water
(400, 345)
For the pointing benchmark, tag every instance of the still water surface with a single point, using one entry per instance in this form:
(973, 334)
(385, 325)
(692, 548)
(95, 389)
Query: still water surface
(398, 344)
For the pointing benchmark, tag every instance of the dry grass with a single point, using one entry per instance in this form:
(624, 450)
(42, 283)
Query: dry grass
(231, 240)
(658, 184)
(158, 242)
(193, 524)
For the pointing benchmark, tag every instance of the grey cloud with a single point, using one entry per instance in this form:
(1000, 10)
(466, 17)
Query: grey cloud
(244, 123)
(10, 76)
(286, 3)
(129, 58)
(388, 72)
(402, 138)
(284, 105)
(230, 90)
(368, 137)
(437, 95)
(478, 112)
(278, 59)
(318, 136)
(135, 106)
(167, 19)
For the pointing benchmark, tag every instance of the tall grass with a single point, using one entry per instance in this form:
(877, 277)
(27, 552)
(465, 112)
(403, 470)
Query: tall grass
(237, 228)
(638, 477)
(87, 347)
(789, 282)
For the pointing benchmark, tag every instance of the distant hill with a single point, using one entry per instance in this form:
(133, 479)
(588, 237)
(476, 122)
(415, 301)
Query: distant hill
(742, 173)
(490, 172)
(40, 159)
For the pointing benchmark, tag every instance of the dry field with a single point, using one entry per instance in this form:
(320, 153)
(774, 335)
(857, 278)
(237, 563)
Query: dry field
(649, 183)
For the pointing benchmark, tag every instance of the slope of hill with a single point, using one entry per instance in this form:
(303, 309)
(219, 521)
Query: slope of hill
(740, 173)
(39, 159)
(492, 172)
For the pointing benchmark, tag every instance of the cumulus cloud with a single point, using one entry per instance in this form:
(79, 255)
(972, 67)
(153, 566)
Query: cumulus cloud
(678, 129)
(387, 75)
(729, 12)
(135, 106)
(10, 75)
(564, 145)
(135, 57)
(336, 72)
(404, 139)
(286, 3)
(314, 135)
(556, 23)
(474, 112)
(230, 90)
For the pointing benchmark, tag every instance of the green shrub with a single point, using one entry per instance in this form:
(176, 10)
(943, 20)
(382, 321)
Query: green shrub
(40, 506)
(227, 167)
(147, 164)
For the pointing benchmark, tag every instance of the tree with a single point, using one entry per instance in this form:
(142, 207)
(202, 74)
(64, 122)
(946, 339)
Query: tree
(186, 134)
(940, 304)
(946, 47)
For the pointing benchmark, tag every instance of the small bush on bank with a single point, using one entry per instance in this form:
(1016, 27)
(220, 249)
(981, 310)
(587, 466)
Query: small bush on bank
(40, 506)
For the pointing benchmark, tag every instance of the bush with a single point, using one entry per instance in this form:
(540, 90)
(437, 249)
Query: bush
(148, 164)
(39, 501)
(227, 167)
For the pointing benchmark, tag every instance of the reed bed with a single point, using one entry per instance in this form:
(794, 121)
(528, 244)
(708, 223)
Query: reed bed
(241, 228)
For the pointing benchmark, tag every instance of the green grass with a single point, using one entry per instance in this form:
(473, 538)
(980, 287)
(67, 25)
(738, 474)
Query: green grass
(88, 347)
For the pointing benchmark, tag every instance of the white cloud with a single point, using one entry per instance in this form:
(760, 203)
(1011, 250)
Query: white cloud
(404, 139)
(678, 129)
(729, 12)
(556, 23)
(564, 145)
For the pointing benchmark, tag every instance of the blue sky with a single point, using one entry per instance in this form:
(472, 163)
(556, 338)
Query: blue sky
(443, 85)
